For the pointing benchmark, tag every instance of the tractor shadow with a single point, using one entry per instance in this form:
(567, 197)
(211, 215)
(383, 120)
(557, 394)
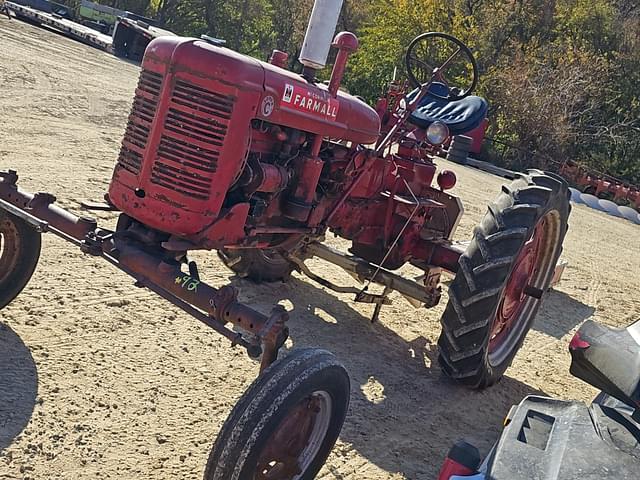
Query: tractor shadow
(18, 385)
(560, 314)
(404, 413)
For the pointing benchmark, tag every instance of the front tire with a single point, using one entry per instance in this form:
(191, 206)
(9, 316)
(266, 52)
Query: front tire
(502, 277)
(257, 264)
(286, 423)
(20, 248)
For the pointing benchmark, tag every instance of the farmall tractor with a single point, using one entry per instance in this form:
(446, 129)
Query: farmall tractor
(224, 152)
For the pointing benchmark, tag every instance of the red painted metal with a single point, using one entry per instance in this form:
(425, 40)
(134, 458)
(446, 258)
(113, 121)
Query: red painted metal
(463, 459)
(228, 229)
(42, 206)
(308, 170)
(274, 178)
(129, 251)
(225, 151)
(577, 343)
(315, 104)
(279, 59)
(446, 180)
(285, 446)
(187, 135)
(355, 121)
(600, 184)
(263, 177)
(478, 135)
(346, 43)
(451, 468)
(189, 132)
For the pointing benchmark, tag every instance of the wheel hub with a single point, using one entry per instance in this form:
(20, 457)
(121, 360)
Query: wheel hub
(296, 441)
(516, 292)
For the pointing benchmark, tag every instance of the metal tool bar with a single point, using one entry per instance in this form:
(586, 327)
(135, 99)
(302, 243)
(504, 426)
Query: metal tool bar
(365, 270)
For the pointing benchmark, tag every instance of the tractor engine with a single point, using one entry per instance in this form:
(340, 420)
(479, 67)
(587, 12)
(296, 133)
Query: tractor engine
(219, 147)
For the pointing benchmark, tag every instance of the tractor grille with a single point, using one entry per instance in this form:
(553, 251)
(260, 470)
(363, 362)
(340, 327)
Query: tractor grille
(193, 136)
(143, 111)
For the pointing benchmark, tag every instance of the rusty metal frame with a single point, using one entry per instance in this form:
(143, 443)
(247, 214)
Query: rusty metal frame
(264, 335)
(417, 294)
(363, 271)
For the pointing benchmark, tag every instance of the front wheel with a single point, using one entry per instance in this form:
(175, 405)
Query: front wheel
(19, 254)
(286, 423)
(257, 264)
(502, 277)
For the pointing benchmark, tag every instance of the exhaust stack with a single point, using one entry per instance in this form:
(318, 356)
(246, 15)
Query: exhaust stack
(317, 40)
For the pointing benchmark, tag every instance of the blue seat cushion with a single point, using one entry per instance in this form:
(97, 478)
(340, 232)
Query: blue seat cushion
(460, 116)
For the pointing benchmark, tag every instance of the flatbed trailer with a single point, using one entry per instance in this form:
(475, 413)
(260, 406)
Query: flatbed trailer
(131, 37)
(67, 27)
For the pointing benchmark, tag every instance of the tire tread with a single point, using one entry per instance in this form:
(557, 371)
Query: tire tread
(483, 271)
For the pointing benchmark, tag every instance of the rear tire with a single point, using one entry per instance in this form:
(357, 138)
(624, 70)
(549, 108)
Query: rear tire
(20, 248)
(508, 264)
(257, 265)
(286, 423)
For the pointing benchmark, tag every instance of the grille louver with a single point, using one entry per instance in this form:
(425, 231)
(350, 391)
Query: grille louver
(142, 113)
(193, 135)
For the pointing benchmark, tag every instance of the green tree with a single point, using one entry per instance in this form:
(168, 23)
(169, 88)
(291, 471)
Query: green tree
(561, 76)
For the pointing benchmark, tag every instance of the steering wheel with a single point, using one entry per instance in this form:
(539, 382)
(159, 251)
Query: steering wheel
(432, 54)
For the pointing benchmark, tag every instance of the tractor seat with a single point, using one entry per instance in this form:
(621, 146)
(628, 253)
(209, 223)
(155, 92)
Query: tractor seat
(460, 116)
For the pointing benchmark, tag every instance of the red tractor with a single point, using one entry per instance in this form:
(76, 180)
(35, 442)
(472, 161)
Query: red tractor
(224, 152)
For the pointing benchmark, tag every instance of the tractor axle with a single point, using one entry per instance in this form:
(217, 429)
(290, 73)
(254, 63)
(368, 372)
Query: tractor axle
(152, 268)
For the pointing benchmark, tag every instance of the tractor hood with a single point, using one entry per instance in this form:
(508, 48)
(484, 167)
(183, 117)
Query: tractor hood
(285, 98)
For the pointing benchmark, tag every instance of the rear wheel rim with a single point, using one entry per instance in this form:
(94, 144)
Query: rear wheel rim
(532, 268)
(9, 247)
(295, 443)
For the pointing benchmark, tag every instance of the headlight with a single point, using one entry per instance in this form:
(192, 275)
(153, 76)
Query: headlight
(437, 133)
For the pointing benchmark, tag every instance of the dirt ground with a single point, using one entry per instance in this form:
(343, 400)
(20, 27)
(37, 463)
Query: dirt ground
(99, 379)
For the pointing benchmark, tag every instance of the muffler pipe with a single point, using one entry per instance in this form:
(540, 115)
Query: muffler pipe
(320, 30)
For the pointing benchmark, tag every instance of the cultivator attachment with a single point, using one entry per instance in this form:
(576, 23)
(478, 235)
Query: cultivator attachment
(425, 290)
(151, 267)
